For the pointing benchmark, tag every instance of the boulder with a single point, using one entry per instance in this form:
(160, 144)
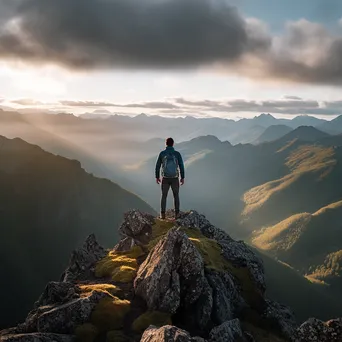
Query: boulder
(241, 255)
(227, 302)
(167, 333)
(83, 260)
(280, 318)
(172, 268)
(229, 331)
(126, 244)
(57, 292)
(316, 330)
(195, 220)
(63, 318)
(137, 226)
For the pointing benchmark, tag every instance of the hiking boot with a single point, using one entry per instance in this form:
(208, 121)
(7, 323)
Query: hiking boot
(162, 216)
(176, 215)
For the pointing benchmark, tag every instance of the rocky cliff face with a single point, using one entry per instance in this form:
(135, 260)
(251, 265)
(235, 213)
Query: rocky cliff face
(174, 281)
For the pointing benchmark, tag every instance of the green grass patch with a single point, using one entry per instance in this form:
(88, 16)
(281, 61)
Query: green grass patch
(213, 258)
(119, 266)
(86, 332)
(124, 274)
(148, 318)
(209, 249)
(159, 230)
(110, 289)
(109, 314)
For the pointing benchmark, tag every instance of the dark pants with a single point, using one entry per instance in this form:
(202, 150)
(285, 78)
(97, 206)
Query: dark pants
(165, 186)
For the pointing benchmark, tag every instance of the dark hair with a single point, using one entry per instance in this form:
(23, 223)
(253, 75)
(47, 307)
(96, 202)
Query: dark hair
(169, 142)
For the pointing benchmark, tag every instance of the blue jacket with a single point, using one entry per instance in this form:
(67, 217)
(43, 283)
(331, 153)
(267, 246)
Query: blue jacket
(178, 156)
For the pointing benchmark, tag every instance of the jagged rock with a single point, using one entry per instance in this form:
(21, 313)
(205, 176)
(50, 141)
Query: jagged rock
(318, 331)
(229, 331)
(205, 299)
(240, 255)
(197, 316)
(196, 220)
(57, 292)
(173, 267)
(38, 337)
(125, 244)
(281, 318)
(83, 260)
(226, 299)
(137, 226)
(167, 333)
(64, 318)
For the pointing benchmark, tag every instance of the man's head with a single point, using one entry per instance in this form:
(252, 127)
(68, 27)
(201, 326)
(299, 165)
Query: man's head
(169, 142)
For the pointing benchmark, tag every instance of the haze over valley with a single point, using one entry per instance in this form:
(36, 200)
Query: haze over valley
(250, 92)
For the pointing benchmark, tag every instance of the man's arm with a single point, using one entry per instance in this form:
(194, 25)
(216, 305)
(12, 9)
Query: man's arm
(181, 165)
(158, 166)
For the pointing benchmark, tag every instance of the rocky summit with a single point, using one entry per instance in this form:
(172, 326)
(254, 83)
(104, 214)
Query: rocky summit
(181, 280)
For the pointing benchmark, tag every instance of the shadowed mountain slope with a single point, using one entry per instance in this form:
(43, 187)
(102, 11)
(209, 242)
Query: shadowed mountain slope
(273, 133)
(48, 204)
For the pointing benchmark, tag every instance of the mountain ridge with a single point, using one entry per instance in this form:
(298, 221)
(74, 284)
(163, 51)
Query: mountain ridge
(48, 201)
(182, 280)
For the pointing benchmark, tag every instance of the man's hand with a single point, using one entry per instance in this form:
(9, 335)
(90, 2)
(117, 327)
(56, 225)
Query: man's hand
(182, 181)
(158, 180)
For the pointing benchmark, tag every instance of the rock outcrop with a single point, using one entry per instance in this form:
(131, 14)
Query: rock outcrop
(316, 330)
(166, 280)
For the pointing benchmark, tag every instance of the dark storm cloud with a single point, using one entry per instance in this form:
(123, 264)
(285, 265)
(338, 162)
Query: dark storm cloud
(307, 52)
(119, 33)
(95, 34)
(150, 105)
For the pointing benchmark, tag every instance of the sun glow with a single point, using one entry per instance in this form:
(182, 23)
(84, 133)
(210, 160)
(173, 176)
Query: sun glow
(43, 83)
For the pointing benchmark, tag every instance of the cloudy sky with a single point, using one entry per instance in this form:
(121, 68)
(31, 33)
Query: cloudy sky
(226, 58)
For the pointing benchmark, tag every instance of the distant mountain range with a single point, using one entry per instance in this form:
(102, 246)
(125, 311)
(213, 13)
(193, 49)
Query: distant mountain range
(272, 133)
(256, 186)
(48, 205)
(143, 127)
(280, 193)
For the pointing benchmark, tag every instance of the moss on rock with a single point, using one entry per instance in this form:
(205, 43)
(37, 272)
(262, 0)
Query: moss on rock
(213, 258)
(156, 318)
(124, 274)
(116, 336)
(159, 230)
(110, 289)
(119, 266)
(86, 332)
(109, 314)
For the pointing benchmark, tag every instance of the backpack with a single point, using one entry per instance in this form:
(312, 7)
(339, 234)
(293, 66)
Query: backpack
(170, 165)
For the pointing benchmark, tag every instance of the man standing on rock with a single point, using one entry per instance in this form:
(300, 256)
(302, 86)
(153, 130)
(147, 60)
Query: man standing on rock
(172, 164)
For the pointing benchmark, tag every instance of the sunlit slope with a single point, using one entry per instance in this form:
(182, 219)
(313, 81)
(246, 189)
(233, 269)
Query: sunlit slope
(310, 183)
(309, 242)
(305, 297)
